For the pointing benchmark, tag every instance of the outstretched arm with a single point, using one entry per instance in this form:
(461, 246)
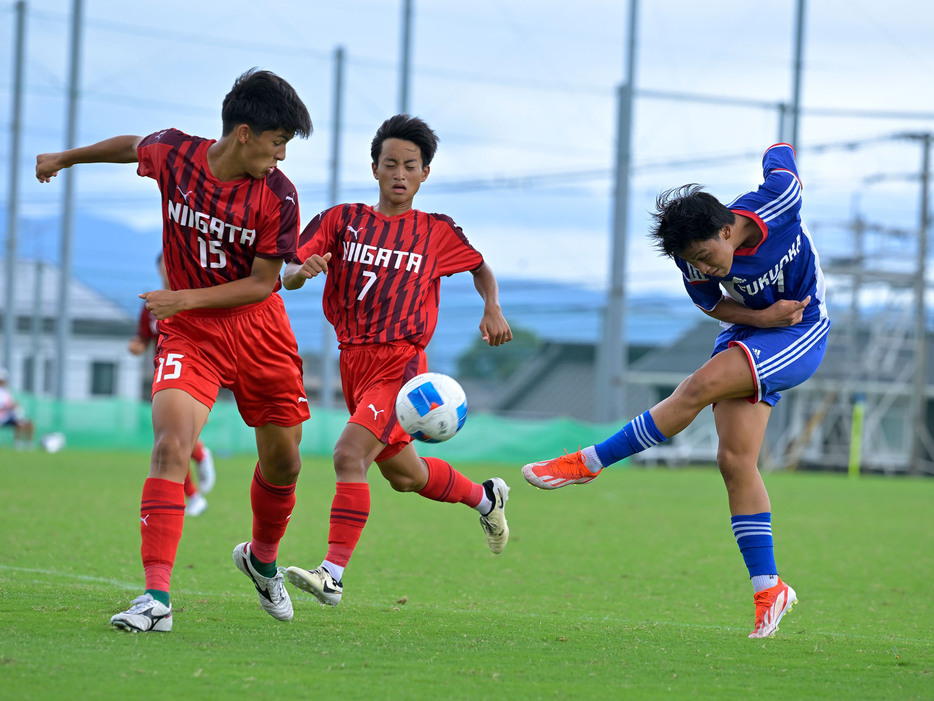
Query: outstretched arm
(784, 312)
(119, 149)
(493, 326)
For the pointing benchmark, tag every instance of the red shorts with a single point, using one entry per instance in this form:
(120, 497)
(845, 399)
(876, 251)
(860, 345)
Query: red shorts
(371, 377)
(250, 350)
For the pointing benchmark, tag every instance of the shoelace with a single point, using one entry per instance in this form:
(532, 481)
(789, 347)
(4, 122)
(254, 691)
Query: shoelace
(140, 603)
(765, 598)
(276, 585)
(489, 527)
(568, 465)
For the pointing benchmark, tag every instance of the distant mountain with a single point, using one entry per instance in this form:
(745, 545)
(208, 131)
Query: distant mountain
(118, 262)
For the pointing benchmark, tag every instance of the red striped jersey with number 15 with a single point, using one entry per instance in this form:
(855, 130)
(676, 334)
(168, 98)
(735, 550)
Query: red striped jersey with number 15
(213, 230)
(384, 275)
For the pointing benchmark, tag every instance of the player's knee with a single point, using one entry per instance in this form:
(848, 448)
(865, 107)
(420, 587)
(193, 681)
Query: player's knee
(696, 391)
(737, 470)
(284, 468)
(169, 457)
(348, 466)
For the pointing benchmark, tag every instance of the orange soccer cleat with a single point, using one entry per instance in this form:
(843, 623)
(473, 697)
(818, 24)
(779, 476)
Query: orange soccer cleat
(771, 605)
(559, 472)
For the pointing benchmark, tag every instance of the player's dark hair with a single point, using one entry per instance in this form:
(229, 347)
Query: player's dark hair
(408, 128)
(684, 215)
(265, 102)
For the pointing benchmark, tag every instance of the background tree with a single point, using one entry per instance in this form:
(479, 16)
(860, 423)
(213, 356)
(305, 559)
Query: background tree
(478, 362)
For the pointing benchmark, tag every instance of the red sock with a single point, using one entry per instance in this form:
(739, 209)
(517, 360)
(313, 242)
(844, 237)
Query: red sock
(189, 486)
(448, 485)
(272, 507)
(349, 512)
(198, 453)
(162, 515)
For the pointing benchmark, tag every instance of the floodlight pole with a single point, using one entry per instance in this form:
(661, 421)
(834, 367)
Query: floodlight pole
(327, 331)
(921, 436)
(63, 321)
(10, 314)
(612, 360)
(405, 57)
(798, 70)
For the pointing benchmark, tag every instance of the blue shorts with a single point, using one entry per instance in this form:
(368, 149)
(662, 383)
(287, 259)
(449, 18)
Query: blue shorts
(779, 358)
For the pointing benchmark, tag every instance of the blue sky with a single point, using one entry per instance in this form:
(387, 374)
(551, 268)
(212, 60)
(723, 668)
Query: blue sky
(522, 94)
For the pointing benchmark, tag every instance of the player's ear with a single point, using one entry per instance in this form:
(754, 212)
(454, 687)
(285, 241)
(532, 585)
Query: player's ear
(373, 166)
(244, 133)
(425, 171)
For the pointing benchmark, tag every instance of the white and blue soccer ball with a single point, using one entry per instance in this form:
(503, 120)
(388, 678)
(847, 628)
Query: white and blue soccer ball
(431, 407)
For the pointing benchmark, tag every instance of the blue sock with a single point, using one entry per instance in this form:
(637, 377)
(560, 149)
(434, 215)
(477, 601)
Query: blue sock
(753, 535)
(634, 437)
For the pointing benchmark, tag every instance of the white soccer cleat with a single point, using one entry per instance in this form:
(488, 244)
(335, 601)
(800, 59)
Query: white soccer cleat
(206, 474)
(146, 615)
(271, 591)
(771, 605)
(196, 505)
(317, 582)
(494, 523)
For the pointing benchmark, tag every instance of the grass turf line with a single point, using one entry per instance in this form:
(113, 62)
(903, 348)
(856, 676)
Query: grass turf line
(631, 585)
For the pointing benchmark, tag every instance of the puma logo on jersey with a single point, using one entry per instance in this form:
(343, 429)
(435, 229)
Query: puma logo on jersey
(355, 232)
(184, 194)
(302, 399)
(375, 412)
(143, 519)
(290, 198)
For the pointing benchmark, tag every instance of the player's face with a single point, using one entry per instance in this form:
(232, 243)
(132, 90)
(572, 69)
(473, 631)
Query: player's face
(713, 257)
(263, 151)
(399, 171)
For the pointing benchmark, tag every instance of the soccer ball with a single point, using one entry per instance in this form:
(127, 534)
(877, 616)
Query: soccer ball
(431, 407)
(52, 442)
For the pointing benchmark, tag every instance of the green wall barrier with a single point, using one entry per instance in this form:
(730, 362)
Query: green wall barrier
(126, 425)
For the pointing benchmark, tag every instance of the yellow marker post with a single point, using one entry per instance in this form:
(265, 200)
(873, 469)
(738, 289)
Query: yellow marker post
(856, 434)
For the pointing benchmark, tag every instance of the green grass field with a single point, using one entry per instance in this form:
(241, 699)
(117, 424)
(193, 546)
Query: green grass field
(631, 587)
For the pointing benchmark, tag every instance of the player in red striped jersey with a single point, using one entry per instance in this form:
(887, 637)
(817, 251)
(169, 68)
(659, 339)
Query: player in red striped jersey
(147, 332)
(230, 219)
(384, 264)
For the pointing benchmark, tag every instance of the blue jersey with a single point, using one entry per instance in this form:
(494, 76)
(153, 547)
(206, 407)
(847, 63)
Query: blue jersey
(784, 264)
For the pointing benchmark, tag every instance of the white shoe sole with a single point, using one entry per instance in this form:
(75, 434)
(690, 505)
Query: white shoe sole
(310, 583)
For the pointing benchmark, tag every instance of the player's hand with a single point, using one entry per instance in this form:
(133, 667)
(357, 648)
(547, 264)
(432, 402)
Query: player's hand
(494, 329)
(315, 265)
(136, 345)
(163, 303)
(48, 165)
(786, 312)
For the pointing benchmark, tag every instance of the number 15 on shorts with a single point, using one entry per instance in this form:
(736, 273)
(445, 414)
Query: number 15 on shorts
(170, 367)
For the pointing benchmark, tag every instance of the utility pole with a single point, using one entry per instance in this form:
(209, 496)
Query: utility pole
(404, 61)
(9, 316)
(612, 360)
(798, 70)
(63, 322)
(327, 331)
(921, 442)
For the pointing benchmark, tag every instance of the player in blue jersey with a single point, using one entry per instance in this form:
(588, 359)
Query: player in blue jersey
(758, 251)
